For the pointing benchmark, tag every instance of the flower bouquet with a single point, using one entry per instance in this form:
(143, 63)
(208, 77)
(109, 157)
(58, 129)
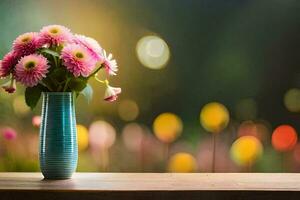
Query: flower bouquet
(58, 64)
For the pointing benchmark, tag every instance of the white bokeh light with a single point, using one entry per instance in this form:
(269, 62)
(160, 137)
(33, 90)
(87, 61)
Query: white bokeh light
(153, 52)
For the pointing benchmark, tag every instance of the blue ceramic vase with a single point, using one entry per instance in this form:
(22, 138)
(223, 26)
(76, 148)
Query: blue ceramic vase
(58, 137)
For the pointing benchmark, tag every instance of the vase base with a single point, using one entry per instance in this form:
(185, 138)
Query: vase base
(57, 176)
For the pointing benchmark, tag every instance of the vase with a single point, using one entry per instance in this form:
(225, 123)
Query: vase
(58, 136)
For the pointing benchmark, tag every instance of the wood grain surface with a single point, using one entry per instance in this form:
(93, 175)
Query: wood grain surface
(152, 186)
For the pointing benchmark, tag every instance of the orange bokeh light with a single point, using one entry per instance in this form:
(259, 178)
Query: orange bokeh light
(284, 138)
(182, 163)
(167, 127)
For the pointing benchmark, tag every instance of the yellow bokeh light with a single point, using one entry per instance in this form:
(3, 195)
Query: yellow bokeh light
(214, 117)
(246, 150)
(82, 137)
(153, 52)
(167, 127)
(20, 106)
(292, 100)
(182, 163)
(128, 110)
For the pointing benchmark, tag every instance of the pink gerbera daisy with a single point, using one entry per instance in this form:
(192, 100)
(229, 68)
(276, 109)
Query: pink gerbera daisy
(92, 46)
(31, 69)
(78, 60)
(110, 65)
(27, 43)
(55, 35)
(111, 93)
(8, 63)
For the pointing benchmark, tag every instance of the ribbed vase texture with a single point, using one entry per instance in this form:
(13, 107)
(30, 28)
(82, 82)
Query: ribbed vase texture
(58, 137)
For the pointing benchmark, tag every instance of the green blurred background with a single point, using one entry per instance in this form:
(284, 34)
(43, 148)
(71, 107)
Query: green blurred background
(241, 53)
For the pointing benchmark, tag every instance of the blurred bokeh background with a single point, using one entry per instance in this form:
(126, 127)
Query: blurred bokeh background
(208, 85)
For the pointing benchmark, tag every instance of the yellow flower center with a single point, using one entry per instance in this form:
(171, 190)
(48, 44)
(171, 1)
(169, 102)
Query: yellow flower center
(25, 39)
(54, 30)
(30, 65)
(79, 55)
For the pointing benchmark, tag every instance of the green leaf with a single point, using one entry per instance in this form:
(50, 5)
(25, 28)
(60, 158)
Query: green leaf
(87, 92)
(49, 52)
(59, 74)
(77, 84)
(32, 96)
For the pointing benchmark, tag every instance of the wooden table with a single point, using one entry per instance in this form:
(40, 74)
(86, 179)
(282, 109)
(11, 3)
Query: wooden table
(152, 186)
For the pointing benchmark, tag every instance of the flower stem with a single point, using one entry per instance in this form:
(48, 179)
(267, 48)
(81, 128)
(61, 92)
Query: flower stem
(45, 85)
(55, 61)
(100, 81)
(97, 79)
(66, 84)
(95, 72)
(59, 88)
